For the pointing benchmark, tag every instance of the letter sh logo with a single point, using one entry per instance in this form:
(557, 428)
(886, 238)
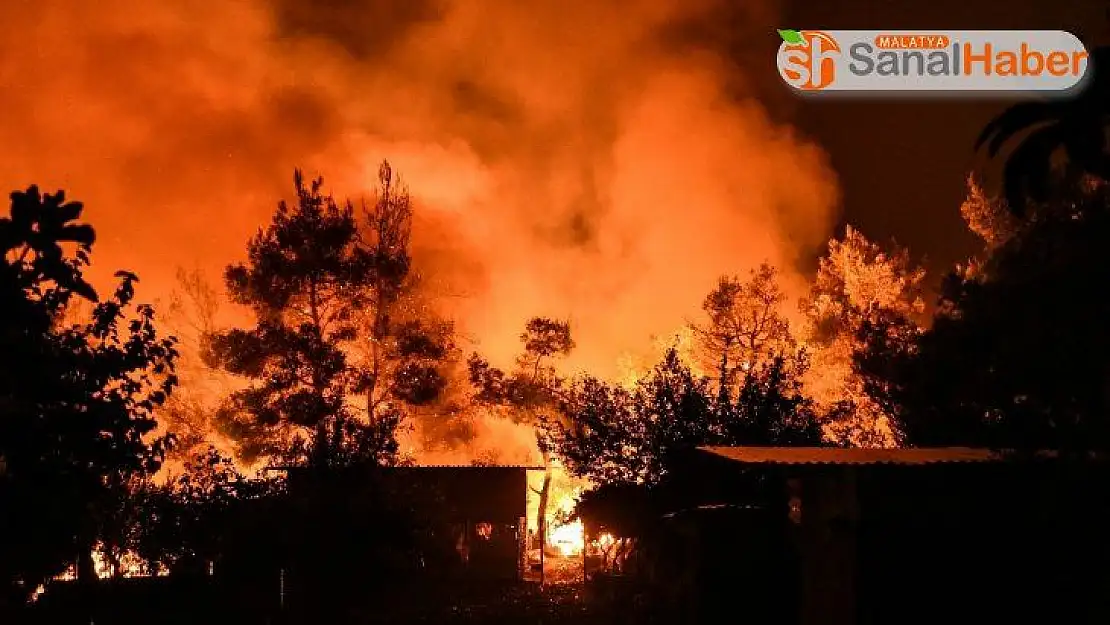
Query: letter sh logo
(807, 59)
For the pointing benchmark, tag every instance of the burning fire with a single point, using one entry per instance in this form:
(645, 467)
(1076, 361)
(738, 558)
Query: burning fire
(604, 541)
(130, 565)
(568, 538)
(565, 537)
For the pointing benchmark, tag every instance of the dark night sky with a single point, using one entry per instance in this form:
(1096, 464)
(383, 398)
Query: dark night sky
(902, 164)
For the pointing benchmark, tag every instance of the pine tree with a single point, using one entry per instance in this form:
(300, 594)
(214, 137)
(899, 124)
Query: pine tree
(858, 282)
(305, 278)
(745, 327)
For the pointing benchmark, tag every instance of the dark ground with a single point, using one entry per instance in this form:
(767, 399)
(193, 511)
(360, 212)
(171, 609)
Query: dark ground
(563, 604)
(510, 604)
(518, 603)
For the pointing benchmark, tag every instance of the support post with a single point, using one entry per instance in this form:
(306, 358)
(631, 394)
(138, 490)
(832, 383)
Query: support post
(585, 547)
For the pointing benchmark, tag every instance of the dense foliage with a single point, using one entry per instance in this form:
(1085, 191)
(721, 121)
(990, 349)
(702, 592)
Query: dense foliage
(326, 286)
(78, 390)
(616, 435)
(1014, 357)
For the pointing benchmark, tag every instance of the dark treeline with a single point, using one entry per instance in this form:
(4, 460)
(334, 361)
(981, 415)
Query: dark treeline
(344, 350)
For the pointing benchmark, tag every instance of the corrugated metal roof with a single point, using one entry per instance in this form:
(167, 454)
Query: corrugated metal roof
(433, 466)
(473, 466)
(853, 456)
(713, 507)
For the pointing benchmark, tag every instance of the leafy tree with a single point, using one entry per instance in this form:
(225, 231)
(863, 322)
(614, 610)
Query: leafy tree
(77, 398)
(987, 217)
(406, 353)
(618, 436)
(199, 412)
(330, 289)
(531, 393)
(409, 365)
(191, 522)
(204, 494)
(614, 435)
(857, 283)
(745, 326)
(443, 418)
(1075, 127)
(627, 512)
(304, 280)
(622, 509)
(404, 344)
(34, 259)
(629, 442)
(1014, 358)
(771, 408)
(124, 521)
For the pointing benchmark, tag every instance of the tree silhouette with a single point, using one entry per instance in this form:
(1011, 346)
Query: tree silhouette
(1015, 357)
(189, 523)
(406, 352)
(397, 349)
(196, 411)
(330, 290)
(1076, 127)
(530, 394)
(77, 398)
(618, 436)
(32, 238)
(123, 522)
(304, 280)
(745, 325)
(857, 281)
(771, 408)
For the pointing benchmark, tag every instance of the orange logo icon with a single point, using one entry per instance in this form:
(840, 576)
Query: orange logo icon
(807, 59)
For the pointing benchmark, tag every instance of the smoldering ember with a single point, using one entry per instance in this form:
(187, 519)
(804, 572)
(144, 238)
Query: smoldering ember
(364, 311)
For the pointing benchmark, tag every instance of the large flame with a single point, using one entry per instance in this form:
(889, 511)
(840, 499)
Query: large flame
(568, 538)
(610, 183)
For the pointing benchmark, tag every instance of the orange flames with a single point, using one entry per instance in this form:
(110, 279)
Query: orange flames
(610, 184)
(568, 538)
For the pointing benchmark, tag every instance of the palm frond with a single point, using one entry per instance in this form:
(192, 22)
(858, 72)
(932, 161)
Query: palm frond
(1078, 125)
(1028, 169)
(1015, 120)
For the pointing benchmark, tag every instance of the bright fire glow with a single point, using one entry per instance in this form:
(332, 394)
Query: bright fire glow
(604, 541)
(131, 565)
(568, 538)
(521, 219)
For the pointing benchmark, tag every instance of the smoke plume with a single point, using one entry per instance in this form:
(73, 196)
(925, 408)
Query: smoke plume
(597, 161)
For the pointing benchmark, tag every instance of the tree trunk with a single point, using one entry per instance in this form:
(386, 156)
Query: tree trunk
(378, 332)
(115, 563)
(545, 493)
(320, 446)
(86, 566)
(326, 447)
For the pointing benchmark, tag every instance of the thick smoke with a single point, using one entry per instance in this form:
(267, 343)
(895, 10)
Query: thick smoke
(592, 160)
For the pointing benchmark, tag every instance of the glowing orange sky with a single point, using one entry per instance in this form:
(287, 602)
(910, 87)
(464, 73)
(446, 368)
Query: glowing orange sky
(566, 160)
